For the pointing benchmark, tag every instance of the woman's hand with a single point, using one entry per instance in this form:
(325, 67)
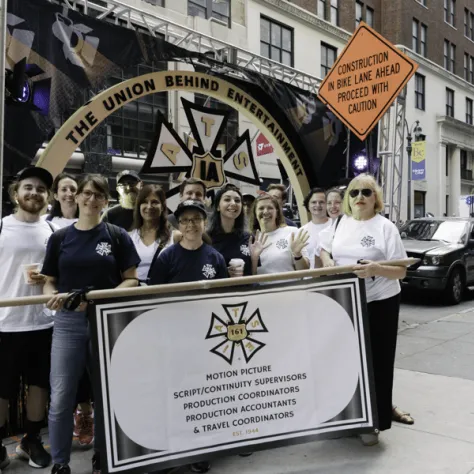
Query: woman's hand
(55, 303)
(326, 260)
(299, 243)
(366, 269)
(258, 244)
(37, 278)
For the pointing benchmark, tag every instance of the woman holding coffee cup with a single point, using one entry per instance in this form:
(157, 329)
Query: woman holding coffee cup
(227, 232)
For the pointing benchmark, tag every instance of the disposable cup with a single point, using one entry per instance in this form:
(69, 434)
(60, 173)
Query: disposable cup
(28, 270)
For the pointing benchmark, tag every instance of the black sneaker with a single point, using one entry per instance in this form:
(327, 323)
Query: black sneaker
(61, 469)
(4, 459)
(96, 464)
(203, 466)
(32, 449)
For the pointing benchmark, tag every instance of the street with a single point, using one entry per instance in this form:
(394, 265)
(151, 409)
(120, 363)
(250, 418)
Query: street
(434, 381)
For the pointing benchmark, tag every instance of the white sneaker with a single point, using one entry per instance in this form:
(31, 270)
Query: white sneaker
(369, 439)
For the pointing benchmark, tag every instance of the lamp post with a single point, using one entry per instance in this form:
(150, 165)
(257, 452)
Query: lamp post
(416, 130)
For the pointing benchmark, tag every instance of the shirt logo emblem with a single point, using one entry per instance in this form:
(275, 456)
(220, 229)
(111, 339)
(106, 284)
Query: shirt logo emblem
(208, 271)
(367, 241)
(104, 249)
(282, 244)
(244, 250)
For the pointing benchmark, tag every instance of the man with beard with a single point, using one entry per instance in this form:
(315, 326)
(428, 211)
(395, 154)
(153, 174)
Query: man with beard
(25, 331)
(190, 189)
(128, 186)
(315, 204)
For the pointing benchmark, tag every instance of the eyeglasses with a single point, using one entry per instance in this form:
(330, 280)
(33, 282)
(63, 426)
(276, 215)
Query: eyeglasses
(98, 196)
(367, 192)
(194, 221)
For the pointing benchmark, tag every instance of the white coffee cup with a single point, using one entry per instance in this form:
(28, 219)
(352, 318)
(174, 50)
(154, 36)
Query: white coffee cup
(237, 265)
(28, 270)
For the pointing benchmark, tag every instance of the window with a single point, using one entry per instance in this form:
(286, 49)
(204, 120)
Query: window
(450, 11)
(414, 35)
(447, 164)
(131, 129)
(449, 56)
(369, 16)
(359, 9)
(210, 9)
(322, 8)
(276, 41)
(419, 91)
(471, 70)
(466, 22)
(466, 66)
(468, 111)
(423, 2)
(328, 58)
(424, 34)
(157, 3)
(471, 26)
(449, 102)
(334, 12)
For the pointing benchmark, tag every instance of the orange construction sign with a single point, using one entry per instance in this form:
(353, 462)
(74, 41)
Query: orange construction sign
(365, 80)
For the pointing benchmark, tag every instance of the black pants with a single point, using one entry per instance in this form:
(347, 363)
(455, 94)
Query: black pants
(383, 327)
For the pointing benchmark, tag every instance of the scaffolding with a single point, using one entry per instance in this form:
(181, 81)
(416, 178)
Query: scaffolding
(391, 126)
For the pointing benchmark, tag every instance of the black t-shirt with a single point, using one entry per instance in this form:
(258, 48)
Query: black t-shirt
(233, 245)
(179, 265)
(120, 216)
(86, 259)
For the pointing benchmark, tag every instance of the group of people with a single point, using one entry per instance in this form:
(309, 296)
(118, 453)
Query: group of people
(81, 245)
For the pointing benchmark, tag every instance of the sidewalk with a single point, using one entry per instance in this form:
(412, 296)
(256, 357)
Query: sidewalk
(440, 441)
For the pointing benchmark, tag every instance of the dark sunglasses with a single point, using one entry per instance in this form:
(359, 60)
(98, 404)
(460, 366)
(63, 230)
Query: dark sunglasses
(365, 192)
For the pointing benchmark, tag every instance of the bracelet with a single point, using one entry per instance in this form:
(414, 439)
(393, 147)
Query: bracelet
(297, 258)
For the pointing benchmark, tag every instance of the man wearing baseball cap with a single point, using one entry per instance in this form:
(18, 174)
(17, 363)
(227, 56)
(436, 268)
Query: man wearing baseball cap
(190, 259)
(128, 186)
(25, 331)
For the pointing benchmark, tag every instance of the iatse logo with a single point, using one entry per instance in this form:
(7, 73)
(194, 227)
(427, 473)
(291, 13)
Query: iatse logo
(234, 330)
(78, 46)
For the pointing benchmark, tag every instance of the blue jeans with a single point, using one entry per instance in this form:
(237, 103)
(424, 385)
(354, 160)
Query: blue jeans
(69, 355)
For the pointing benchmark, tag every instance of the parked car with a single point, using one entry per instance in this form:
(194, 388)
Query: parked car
(445, 247)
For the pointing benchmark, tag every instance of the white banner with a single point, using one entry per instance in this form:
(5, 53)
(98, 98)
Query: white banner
(187, 376)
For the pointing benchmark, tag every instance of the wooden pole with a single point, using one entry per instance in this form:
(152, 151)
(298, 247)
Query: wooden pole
(203, 284)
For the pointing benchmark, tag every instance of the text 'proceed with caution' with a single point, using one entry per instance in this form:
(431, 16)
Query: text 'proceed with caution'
(365, 80)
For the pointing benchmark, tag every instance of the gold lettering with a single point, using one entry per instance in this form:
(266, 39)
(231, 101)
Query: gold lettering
(170, 151)
(241, 160)
(225, 348)
(236, 312)
(249, 346)
(255, 323)
(218, 328)
(208, 122)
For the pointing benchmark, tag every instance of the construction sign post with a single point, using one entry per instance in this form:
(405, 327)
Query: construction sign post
(365, 80)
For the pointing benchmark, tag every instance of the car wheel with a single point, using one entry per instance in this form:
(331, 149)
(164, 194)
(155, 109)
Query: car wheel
(455, 287)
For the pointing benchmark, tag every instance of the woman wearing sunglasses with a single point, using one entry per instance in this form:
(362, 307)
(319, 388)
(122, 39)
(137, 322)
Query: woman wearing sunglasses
(89, 253)
(362, 238)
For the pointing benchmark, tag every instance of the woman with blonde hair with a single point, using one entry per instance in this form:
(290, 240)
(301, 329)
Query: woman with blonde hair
(281, 249)
(362, 238)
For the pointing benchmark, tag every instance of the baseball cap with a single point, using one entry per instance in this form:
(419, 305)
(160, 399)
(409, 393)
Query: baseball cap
(190, 205)
(131, 173)
(248, 196)
(36, 172)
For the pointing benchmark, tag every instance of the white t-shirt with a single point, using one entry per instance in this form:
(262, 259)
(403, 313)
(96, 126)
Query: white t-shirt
(314, 243)
(277, 258)
(22, 243)
(146, 253)
(61, 222)
(376, 239)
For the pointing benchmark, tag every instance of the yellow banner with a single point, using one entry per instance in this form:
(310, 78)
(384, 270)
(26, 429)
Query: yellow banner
(418, 153)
